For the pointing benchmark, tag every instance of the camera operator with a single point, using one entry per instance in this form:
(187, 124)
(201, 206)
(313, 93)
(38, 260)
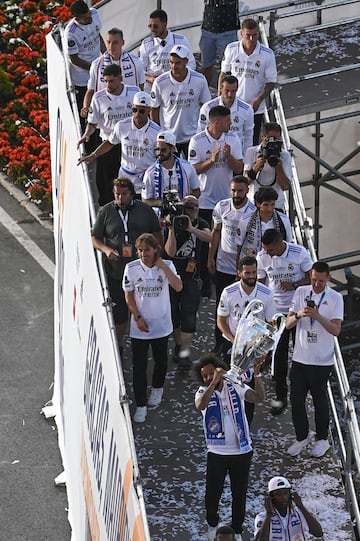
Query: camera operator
(285, 516)
(269, 164)
(168, 174)
(185, 236)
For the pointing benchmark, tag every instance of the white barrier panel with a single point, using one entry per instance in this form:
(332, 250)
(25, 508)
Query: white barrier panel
(94, 438)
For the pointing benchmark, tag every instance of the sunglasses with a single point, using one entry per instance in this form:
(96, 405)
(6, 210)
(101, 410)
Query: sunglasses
(136, 110)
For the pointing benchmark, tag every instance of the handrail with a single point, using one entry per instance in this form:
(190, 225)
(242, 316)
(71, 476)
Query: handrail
(350, 449)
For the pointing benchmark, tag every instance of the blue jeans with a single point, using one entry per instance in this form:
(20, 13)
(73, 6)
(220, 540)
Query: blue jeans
(213, 45)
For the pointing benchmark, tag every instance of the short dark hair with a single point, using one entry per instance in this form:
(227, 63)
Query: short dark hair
(265, 193)
(247, 260)
(218, 111)
(239, 179)
(270, 126)
(159, 14)
(271, 236)
(112, 69)
(321, 266)
(226, 530)
(209, 358)
(250, 24)
(231, 79)
(124, 182)
(115, 31)
(79, 7)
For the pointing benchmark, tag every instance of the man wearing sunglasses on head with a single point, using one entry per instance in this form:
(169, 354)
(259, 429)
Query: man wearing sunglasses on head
(137, 137)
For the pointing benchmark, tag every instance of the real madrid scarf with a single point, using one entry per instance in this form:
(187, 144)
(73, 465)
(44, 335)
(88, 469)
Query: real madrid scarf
(213, 420)
(158, 178)
(252, 239)
(293, 531)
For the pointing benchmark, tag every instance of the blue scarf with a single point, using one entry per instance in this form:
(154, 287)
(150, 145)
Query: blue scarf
(158, 178)
(213, 420)
(294, 530)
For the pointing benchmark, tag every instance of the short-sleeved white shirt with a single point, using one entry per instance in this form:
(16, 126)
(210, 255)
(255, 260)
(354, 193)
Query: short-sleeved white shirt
(151, 291)
(180, 102)
(83, 40)
(234, 299)
(132, 70)
(137, 148)
(170, 182)
(215, 182)
(242, 119)
(156, 57)
(267, 176)
(107, 109)
(331, 306)
(229, 217)
(252, 71)
(290, 266)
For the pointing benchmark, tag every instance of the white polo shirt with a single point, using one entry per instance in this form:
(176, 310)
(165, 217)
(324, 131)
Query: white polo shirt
(234, 300)
(83, 40)
(252, 71)
(290, 266)
(180, 102)
(107, 109)
(132, 70)
(215, 182)
(320, 349)
(170, 182)
(267, 176)
(151, 290)
(229, 217)
(242, 119)
(156, 58)
(137, 148)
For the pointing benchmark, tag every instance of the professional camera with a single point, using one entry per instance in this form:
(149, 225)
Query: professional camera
(271, 150)
(173, 207)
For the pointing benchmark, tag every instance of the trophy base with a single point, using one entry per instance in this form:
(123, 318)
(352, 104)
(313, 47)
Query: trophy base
(234, 376)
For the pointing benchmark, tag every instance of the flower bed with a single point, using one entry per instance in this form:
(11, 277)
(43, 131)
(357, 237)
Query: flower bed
(24, 124)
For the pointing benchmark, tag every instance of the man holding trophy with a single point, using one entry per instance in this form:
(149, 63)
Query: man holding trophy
(221, 403)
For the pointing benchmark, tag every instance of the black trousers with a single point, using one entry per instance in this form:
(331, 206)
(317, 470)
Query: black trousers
(218, 466)
(140, 349)
(304, 378)
(281, 363)
(222, 280)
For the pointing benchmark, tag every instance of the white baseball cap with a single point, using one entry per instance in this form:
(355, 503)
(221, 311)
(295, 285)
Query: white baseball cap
(142, 98)
(167, 136)
(278, 482)
(181, 51)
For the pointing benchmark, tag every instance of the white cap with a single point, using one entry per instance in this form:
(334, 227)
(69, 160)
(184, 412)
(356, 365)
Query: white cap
(142, 98)
(167, 136)
(278, 482)
(181, 51)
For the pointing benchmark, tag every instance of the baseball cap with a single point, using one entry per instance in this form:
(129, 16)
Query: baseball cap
(167, 136)
(142, 98)
(278, 482)
(180, 50)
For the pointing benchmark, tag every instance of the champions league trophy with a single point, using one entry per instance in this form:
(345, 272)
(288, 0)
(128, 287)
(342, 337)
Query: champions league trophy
(253, 339)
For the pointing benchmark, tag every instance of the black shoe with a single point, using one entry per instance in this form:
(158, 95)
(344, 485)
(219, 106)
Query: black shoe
(206, 292)
(175, 357)
(278, 406)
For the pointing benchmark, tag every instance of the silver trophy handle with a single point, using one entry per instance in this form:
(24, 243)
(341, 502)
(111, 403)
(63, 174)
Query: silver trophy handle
(281, 325)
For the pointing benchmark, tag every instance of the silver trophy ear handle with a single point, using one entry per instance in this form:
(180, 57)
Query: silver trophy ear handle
(279, 324)
(254, 307)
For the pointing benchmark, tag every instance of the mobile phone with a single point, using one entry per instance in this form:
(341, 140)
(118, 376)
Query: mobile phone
(310, 303)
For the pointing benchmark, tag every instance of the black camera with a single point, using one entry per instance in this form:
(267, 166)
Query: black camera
(173, 207)
(271, 151)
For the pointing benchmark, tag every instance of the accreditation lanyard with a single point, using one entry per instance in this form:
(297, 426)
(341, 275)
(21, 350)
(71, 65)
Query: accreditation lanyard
(124, 219)
(318, 306)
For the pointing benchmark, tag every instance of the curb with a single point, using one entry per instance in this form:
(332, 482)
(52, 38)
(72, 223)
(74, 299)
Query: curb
(31, 208)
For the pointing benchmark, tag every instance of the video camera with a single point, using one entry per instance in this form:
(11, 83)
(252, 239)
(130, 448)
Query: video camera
(271, 151)
(173, 207)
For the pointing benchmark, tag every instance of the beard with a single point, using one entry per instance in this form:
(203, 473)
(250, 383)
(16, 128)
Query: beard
(239, 200)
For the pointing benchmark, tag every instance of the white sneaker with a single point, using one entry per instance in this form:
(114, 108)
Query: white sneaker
(238, 537)
(140, 414)
(296, 447)
(212, 533)
(155, 396)
(320, 448)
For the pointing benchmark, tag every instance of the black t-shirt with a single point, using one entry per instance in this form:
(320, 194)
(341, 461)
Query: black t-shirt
(221, 18)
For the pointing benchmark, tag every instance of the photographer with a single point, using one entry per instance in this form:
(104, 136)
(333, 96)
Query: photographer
(285, 516)
(168, 174)
(186, 235)
(269, 164)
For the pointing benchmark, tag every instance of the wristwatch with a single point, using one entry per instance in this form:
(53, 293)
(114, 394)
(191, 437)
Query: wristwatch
(137, 317)
(251, 174)
(296, 316)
